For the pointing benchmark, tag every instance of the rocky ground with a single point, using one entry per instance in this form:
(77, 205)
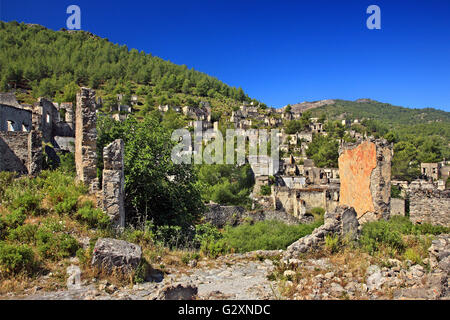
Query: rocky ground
(263, 275)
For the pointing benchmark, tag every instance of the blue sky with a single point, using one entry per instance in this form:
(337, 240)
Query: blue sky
(281, 52)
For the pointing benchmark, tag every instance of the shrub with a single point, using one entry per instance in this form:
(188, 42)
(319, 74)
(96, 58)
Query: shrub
(141, 237)
(172, 236)
(332, 243)
(141, 271)
(206, 233)
(189, 256)
(93, 217)
(55, 246)
(266, 190)
(15, 218)
(14, 258)
(3, 229)
(25, 233)
(53, 225)
(215, 248)
(413, 255)
(318, 213)
(380, 233)
(6, 178)
(265, 235)
(67, 205)
(67, 164)
(29, 201)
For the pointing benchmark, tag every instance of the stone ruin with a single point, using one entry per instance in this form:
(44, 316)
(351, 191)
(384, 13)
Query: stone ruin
(86, 138)
(429, 206)
(365, 178)
(365, 193)
(113, 193)
(23, 129)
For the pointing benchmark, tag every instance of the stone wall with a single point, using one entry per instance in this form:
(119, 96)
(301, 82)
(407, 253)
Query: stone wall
(21, 152)
(299, 201)
(86, 137)
(14, 151)
(220, 216)
(397, 207)
(365, 176)
(114, 182)
(19, 118)
(430, 205)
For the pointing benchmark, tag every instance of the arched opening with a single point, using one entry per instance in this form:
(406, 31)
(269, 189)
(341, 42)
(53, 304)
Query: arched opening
(10, 125)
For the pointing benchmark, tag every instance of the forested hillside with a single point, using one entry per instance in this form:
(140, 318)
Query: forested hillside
(419, 135)
(54, 63)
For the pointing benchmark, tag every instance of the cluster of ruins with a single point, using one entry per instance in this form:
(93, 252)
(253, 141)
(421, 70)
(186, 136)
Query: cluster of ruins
(294, 186)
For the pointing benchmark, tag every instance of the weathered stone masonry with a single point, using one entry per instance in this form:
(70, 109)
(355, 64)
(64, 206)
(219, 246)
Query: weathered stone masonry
(113, 182)
(86, 138)
(365, 176)
(429, 205)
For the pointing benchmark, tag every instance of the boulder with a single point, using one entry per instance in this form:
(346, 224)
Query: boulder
(116, 254)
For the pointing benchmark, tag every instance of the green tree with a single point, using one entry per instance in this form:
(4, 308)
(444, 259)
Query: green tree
(155, 188)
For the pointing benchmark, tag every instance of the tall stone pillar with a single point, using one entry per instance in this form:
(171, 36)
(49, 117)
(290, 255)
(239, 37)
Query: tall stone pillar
(86, 138)
(114, 182)
(34, 152)
(365, 177)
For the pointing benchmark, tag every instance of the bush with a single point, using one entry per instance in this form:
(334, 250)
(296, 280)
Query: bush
(266, 190)
(95, 218)
(142, 237)
(60, 187)
(206, 233)
(55, 246)
(318, 213)
(67, 205)
(14, 258)
(376, 234)
(6, 178)
(172, 236)
(15, 218)
(67, 163)
(265, 235)
(215, 248)
(23, 234)
(332, 243)
(28, 201)
(413, 255)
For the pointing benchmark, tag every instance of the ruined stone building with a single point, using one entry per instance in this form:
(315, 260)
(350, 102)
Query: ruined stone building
(365, 178)
(23, 128)
(435, 171)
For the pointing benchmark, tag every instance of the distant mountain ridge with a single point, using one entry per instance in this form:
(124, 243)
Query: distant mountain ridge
(371, 109)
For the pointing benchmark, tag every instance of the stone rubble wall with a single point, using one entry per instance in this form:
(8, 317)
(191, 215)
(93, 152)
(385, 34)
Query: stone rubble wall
(14, 151)
(397, 207)
(342, 221)
(220, 216)
(430, 205)
(113, 192)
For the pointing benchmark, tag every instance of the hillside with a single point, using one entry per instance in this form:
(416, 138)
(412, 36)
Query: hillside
(390, 115)
(44, 63)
